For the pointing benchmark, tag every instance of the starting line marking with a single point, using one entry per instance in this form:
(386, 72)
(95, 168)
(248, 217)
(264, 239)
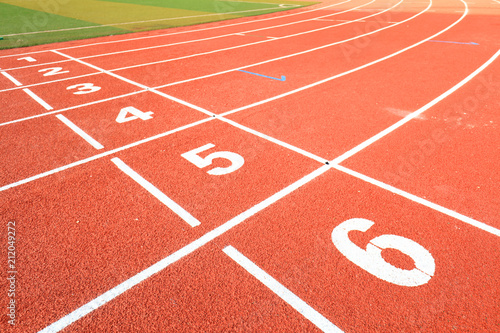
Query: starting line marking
(12, 79)
(80, 132)
(38, 99)
(181, 212)
(179, 254)
(283, 77)
(285, 294)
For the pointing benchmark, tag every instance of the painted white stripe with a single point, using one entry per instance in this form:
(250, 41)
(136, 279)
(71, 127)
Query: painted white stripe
(183, 252)
(347, 72)
(175, 99)
(267, 41)
(182, 32)
(146, 21)
(274, 140)
(204, 39)
(153, 190)
(496, 1)
(285, 294)
(95, 157)
(13, 80)
(415, 114)
(409, 196)
(70, 108)
(38, 99)
(48, 82)
(309, 51)
(80, 132)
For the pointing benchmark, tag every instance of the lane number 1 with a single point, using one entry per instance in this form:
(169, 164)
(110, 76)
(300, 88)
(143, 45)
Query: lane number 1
(371, 259)
(236, 160)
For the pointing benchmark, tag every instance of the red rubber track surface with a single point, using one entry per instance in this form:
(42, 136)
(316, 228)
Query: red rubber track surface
(386, 112)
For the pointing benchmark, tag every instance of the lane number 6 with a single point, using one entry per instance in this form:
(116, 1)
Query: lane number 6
(236, 160)
(371, 259)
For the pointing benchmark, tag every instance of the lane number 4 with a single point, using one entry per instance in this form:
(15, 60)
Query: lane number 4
(236, 160)
(371, 260)
(124, 116)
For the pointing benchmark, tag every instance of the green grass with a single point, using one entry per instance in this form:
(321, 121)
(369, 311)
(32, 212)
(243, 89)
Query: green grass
(34, 22)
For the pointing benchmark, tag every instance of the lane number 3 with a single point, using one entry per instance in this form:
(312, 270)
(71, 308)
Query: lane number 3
(371, 259)
(236, 160)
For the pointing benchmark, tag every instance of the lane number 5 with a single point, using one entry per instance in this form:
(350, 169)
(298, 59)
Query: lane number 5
(236, 160)
(371, 259)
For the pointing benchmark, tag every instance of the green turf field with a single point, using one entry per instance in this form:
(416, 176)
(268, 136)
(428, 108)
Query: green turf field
(34, 22)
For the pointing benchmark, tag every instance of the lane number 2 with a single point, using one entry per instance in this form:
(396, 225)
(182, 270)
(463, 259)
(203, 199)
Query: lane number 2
(236, 160)
(52, 71)
(371, 259)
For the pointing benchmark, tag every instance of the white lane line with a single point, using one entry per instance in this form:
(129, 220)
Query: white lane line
(200, 40)
(424, 202)
(266, 41)
(274, 140)
(80, 132)
(172, 98)
(153, 190)
(415, 114)
(302, 52)
(498, 2)
(47, 82)
(146, 21)
(182, 32)
(70, 108)
(174, 257)
(98, 156)
(284, 293)
(349, 71)
(38, 99)
(12, 79)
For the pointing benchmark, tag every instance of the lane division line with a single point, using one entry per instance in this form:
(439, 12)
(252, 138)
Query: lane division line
(153, 190)
(12, 79)
(285, 294)
(176, 256)
(38, 100)
(93, 142)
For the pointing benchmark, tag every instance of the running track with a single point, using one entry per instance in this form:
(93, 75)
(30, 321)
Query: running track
(331, 168)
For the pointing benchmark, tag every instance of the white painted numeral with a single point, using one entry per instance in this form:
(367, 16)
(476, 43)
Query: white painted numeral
(52, 71)
(84, 88)
(135, 114)
(28, 59)
(371, 259)
(236, 160)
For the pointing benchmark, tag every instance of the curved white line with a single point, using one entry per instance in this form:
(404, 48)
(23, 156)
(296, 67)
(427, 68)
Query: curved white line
(180, 32)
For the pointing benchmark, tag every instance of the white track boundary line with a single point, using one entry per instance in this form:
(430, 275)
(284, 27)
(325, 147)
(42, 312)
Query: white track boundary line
(38, 100)
(349, 71)
(146, 21)
(424, 202)
(281, 291)
(176, 256)
(11, 79)
(70, 108)
(268, 41)
(172, 98)
(47, 82)
(305, 52)
(154, 191)
(180, 32)
(98, 156)
(414, 114)
(207, 39)
(80, 132)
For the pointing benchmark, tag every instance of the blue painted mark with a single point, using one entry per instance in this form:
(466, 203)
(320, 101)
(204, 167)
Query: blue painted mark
(283, 77)
(444, 41)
